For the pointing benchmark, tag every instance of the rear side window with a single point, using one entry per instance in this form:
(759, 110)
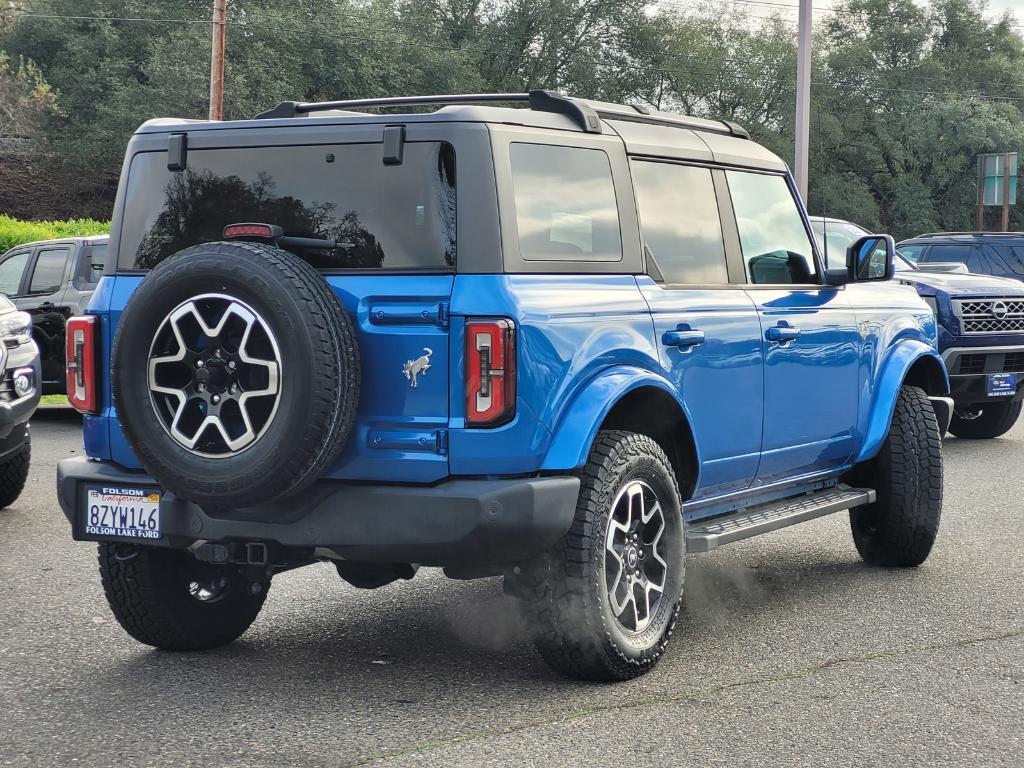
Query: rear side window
(775, 243)
(679, 222)
(383, 216)
(565, 204)
(48, 273)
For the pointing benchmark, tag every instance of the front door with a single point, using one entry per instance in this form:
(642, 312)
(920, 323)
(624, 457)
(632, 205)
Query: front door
(809, 334)
(706, 328)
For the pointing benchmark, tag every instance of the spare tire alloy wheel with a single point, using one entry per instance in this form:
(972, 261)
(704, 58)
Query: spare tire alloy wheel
(235, 374)
(215, 375)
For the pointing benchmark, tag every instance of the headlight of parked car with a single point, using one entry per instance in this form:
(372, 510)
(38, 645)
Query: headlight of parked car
(16, 328)
(931, 302)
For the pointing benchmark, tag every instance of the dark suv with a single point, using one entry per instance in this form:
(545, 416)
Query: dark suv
(564, 343)
(52, 280)
(1000, 254)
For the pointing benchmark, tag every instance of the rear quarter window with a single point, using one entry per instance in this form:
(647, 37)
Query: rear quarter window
(384, 216)
(565, 204)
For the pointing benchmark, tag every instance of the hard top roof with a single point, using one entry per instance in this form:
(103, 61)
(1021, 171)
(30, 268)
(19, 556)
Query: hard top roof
(643, 130)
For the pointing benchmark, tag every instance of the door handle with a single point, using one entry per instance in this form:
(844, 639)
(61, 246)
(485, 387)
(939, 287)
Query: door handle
(681, 338)
(782, 332)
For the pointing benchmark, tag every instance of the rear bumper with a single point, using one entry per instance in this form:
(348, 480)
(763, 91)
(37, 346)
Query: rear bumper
(458, 522)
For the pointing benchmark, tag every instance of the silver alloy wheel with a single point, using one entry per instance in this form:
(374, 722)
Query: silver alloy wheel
(214, 375)
(635, 568)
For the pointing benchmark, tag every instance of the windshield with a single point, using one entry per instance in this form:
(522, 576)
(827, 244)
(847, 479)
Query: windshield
(835, 237)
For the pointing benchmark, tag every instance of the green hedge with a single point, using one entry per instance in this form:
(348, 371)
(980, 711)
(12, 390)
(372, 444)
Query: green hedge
(15, 232)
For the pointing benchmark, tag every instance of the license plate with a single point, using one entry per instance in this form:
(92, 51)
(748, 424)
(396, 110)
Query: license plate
(122, 513)
(1002, 384)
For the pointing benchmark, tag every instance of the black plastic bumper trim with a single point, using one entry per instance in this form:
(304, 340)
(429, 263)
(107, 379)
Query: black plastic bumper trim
(457, 522)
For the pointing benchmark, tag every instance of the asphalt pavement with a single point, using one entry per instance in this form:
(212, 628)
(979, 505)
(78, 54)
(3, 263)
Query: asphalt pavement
(790, 652)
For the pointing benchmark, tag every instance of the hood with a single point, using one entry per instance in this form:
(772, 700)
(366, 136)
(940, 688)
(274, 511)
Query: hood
(959, 284)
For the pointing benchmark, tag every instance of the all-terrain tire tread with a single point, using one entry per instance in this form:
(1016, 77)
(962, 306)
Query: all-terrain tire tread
(332, 410)
(136, 587)
(907, 475)
(558, 588)
(14, 473)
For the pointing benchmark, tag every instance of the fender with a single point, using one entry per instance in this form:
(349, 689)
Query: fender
(901, 357)
(578, 426)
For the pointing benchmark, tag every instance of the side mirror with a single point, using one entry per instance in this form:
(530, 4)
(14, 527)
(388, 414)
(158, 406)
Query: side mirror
(871, 257)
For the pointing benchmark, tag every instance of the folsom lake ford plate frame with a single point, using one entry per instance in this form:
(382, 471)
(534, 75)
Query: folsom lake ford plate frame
(119, 513)
(1001, 384)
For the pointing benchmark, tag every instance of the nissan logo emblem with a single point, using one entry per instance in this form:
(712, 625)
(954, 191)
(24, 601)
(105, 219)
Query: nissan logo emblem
(998, 310)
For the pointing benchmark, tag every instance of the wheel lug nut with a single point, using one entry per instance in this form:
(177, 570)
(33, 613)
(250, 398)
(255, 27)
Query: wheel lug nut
(216, 399)
(199, 363)
(231, 365)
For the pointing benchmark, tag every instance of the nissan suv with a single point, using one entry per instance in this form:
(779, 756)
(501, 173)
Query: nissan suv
(981, 328)
(555, 340)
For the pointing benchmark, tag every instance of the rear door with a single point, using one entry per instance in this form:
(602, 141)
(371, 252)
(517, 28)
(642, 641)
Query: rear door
(809, 333)
(707, 329)
(43, 298)
(394, 221)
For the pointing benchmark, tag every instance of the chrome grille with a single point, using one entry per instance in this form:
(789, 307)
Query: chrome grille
(990, 315)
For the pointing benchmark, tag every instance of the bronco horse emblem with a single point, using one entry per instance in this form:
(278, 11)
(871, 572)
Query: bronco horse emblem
(414, 368)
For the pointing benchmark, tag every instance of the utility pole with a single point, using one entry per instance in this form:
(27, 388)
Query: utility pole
(803, 97)
(1006, 192)
(220, 34)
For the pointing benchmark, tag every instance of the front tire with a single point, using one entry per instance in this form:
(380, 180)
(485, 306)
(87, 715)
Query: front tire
(899, 529)
(14, 473)
(994, 420)
(602, 603)
(168, 599)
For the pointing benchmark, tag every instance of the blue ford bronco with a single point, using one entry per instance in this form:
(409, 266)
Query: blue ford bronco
(523, 335)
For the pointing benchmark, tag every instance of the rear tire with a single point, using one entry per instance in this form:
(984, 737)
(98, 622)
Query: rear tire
(14, 473)
(572, 593)
(899, 529)
(168, 599)
(994, 420)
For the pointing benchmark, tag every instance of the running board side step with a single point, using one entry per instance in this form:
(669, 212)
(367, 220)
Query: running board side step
(705, 535)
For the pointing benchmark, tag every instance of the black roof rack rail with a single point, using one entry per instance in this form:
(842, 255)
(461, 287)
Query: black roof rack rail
(971, 234)
(585, 115)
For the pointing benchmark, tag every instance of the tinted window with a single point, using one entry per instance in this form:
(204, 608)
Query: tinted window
(775, 244)
(679, 222)
(11, 270)
(383, 216)
(565, 204)
(1013, 255)
(952, 252)
(48, 273)
(834, 238)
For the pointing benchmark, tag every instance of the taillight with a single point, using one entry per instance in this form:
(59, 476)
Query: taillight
(252, 229)
(80, 350)
(490, 372)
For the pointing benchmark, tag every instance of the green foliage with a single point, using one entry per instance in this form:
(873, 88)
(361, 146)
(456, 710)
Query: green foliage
(904, 96)
(14, 232)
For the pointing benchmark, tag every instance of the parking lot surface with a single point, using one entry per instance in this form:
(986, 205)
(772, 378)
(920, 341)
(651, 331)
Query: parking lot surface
(789, 652)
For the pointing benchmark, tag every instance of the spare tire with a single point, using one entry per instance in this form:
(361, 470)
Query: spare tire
(235, 374)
